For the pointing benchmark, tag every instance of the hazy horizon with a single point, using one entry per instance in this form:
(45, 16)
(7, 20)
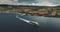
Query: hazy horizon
(32, 2)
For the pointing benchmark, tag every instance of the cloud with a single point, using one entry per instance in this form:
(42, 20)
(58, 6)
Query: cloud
(57, 2)
(31, 2)
(45, 3)
(39, 3)
(8, 2)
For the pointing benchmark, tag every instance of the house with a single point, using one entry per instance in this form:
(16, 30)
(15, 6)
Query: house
(43, 11)
(24, 9)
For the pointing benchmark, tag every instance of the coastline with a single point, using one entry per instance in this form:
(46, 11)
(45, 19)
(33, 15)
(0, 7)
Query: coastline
(38, 15)
(7, 12)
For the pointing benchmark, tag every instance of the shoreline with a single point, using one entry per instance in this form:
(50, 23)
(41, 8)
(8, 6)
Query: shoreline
(38, 15)
(7, 12)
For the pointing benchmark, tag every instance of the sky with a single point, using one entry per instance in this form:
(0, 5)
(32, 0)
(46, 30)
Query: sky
(31, 2)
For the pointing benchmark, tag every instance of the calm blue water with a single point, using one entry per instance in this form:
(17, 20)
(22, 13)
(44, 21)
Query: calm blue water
(47, 24)
(9, 23)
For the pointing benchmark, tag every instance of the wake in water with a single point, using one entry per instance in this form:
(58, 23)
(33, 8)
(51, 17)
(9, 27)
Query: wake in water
(27, 21)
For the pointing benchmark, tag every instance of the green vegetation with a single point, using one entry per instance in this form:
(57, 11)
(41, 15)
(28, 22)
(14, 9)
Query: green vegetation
(50, 11)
